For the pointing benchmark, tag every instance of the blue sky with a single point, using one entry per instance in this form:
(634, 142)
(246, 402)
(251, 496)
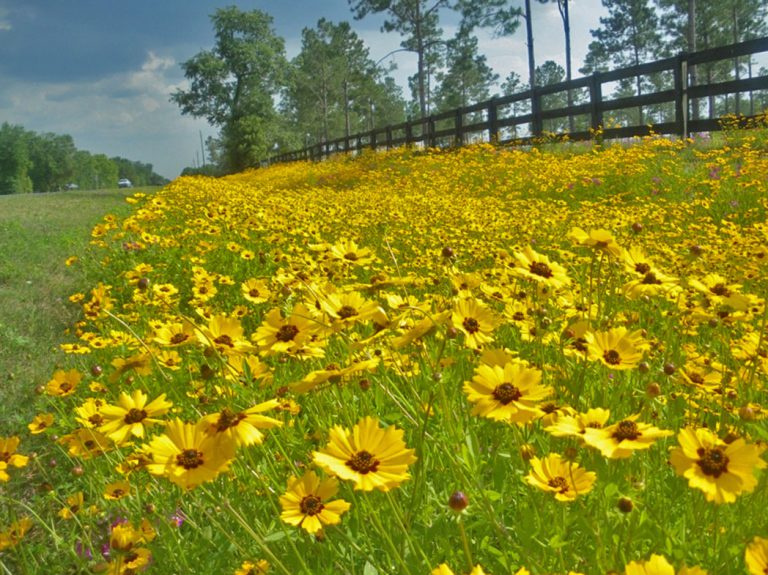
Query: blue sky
(102, 70)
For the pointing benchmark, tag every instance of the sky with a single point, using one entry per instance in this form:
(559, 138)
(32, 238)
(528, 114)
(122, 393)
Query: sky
(103, 71)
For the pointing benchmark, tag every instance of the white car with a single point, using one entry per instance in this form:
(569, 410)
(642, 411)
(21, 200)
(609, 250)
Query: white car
(124, 183)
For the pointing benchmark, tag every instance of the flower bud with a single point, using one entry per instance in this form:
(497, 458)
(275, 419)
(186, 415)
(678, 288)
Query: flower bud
(458, 501)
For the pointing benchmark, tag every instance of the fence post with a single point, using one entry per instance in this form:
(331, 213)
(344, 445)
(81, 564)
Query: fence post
(536, 122)
(681, 94)
(429, 140)
(389, 138)
(458, 125)
(596, 104)
(493, 121)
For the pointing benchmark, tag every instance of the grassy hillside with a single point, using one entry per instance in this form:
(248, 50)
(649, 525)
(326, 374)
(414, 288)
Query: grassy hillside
(38, 232)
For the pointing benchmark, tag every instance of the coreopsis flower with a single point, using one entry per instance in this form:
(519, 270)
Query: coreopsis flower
(225, 334)
(9, 457)
(510, 393)
(73, 505)
(599, 240)
(721, 470)
(255, 290)
(261, 567)
(170, 359)
(15, 533)
(88, 414)
(443, 569)
(175, 334)
(346, 309)
(187, 455)
(243, 427)
(369, 456)
(347, 251)
(117, 490)
(421, 328)
(132, 415)
(473, 318)
(333, 374)
(140, 364)
(658, 565)
(63, 383)
(537, 267)
(85, 443)
(621, 439)
(40, 423)
(566, 480)
(616, 348)
(305, 502)
(755, 556)
(576, 425)
(295, 334)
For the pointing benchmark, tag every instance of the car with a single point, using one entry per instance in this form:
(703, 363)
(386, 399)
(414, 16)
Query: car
(72, 186)
(124, 183)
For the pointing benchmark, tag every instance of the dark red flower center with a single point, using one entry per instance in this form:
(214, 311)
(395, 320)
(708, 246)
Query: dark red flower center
(506, 393)
(363, 462)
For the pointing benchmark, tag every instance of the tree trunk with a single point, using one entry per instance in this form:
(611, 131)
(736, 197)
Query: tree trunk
(736, 60)
(568, 65)
(421, 49)
(692, 48)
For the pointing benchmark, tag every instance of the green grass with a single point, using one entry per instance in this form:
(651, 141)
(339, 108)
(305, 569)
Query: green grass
(37, 233)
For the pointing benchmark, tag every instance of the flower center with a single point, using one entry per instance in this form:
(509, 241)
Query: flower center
(642, 268)
(559, 483)
(651, 279)
(189, 459)
(346, 311)
(626, 430)
(712, 461)
(540, 269)
(721, 290)
(351, 256)
(471, 325)
(227, 419)
(311, 505)
(254, 292)
(179, 338)
(224, 339)
(363, 462)
(287, 333)
(5, 456)
(506, 393)
(135, 415)
(612, 357)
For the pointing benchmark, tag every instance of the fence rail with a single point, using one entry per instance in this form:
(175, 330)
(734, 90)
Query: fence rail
(499, 126)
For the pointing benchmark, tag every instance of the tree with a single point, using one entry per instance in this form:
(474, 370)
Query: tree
(467, 77)
(417, 21)
(513, 84)
(628, 36)
(233, 85)
(52, 160)
(14, 160)
(550, 72)
(334, 86)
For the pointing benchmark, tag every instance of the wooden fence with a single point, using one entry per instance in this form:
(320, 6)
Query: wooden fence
(495, 119)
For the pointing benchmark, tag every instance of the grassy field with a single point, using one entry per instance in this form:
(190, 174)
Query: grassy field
(37, 233)
(486, 360)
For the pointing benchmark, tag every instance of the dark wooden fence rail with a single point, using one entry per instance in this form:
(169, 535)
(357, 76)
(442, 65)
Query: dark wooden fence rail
(490, 120)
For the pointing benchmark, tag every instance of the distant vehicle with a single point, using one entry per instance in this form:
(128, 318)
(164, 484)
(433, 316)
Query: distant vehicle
(124, 183)
(71, 186)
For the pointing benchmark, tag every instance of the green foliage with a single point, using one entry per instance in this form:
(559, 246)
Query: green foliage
(14, 161)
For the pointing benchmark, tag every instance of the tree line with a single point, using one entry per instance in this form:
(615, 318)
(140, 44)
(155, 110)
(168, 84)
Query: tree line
(263, 103)
(32, 162)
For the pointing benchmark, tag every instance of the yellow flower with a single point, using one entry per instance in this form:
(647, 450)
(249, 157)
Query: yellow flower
(15, 533)
(226, 335)
(117, 490)
(576, 425)
(537, 267)
(621, 439)
(294, 334)
(475, 321)
(509, 393)
(140, 364)
(86, 443)
(175, 334)
(63, 383)
(304, 503)
(261, 567)
(658, 565)
(255, 291)
(40, 423)
(243, 427)
(371, 457)
(443, 569)
(9, 457)
(755, 556)
(566, 480)
(615, 348)
(721, 470)
(187, 455)
(600, 240)
(130, 417)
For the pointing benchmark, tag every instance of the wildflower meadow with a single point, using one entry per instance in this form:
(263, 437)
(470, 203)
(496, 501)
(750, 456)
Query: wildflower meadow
(486, 360)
